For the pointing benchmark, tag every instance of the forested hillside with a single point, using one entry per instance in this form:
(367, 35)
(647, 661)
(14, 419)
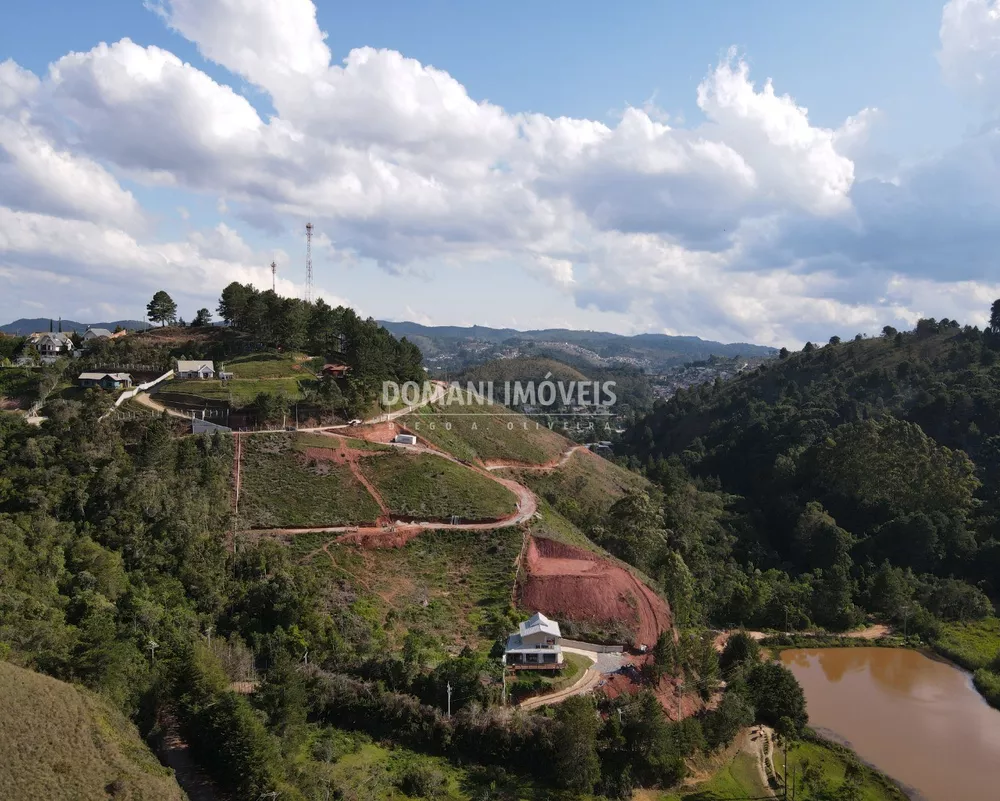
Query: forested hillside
(856, 477)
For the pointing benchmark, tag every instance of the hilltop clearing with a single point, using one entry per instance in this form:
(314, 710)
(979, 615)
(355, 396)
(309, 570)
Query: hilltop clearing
(58, 741)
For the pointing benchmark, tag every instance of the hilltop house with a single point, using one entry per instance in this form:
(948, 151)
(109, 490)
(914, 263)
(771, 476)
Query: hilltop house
(105, 380)
(195, 369)
(96, 333)
(535, 646)
(51, 345)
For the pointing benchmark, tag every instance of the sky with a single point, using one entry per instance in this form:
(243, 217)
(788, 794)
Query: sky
(764, 171)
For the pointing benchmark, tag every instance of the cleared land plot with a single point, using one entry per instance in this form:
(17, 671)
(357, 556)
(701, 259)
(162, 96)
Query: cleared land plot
(61, 742)
(285, 486)
(270, 365)
(489, 433)
(449, 585)
(238, 391)
(429, 487)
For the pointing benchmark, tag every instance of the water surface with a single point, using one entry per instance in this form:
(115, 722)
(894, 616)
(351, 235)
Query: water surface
(917, 719)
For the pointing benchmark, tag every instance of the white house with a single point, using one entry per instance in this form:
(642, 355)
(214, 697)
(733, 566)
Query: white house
(195, 369)
(96, 333)
(535, 646)
(405, 439)
(49, 344)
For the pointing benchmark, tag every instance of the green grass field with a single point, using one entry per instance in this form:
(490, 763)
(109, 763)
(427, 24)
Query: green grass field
(973, 645)
(487, 432)
(429, 487)
(62, 742)
(270, 365)
(238, 391)
(449, 585)
(281, 488)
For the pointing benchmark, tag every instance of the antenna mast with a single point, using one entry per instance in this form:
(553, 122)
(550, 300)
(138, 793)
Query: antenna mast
(309, 262)
(274, 271)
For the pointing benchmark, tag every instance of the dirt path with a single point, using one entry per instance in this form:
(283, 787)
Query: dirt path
(144, 399)
(506, 464)
(587, 682)
(175, 752)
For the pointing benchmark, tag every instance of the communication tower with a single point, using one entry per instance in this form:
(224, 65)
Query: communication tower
(309, 262)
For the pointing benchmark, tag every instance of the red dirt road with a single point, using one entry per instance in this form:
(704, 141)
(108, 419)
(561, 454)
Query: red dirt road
(574, 584)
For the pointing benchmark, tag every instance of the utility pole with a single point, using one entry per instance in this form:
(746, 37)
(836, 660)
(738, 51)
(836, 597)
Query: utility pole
(449, 699)
(503, 677)
(680, 695)
(208, 633)
(785, 781)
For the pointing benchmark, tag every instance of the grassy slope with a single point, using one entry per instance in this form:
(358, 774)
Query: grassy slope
(589, 482)
(739, 777)
(269, 365)
(976, 646)
(487, 432)
(424, 486)
(281, 489)
(464, 577)
(61, 742)
(241, 390)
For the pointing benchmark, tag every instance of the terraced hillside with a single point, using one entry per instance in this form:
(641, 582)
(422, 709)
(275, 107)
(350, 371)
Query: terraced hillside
(58, 741)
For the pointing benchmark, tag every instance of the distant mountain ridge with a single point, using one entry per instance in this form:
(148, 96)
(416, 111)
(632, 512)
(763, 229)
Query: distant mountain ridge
(455, 347)
(487, 334)
(27, 325)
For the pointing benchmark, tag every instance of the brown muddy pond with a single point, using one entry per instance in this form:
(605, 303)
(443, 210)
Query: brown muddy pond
(916, 719)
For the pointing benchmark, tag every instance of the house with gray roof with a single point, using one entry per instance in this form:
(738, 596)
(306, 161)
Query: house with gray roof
(535, 646)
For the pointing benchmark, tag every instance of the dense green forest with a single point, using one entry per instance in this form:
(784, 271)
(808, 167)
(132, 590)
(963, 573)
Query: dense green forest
(858, 477)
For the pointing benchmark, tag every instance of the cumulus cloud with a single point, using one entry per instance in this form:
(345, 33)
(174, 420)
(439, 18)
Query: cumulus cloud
(753, 224)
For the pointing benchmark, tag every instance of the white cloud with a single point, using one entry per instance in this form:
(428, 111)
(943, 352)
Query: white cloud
(754, 224)
(970, 48)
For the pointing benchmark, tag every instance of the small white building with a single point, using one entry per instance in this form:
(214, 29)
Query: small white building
(96, 333)
(405, 439)
(195, 369)
(535, 646)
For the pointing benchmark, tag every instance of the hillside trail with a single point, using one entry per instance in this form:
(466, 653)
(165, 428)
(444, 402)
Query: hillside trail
(507, 464)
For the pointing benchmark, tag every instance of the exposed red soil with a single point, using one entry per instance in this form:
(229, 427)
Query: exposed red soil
(376, 432)
(395, 537)
(574, 584)
(673, 702)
